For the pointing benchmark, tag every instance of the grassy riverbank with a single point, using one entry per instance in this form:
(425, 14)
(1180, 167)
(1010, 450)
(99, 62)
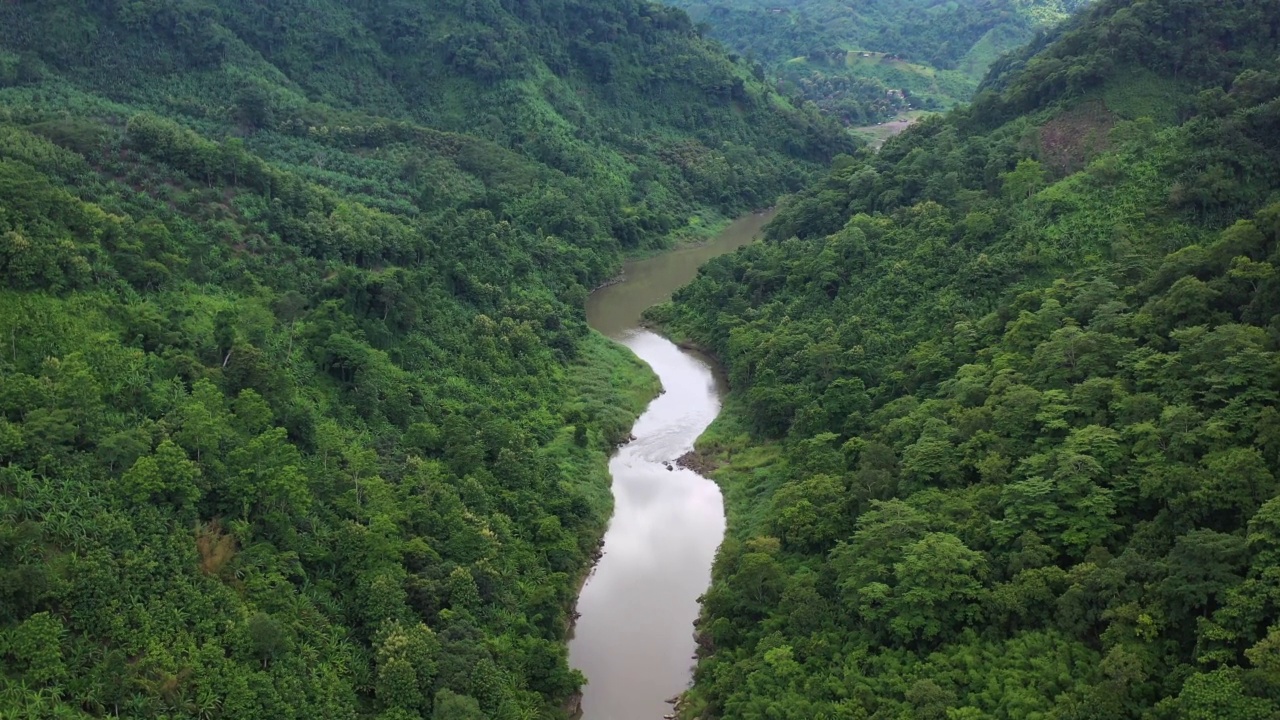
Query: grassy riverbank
(741, 467)
(748, 474)
(701, 228)
(613, 387)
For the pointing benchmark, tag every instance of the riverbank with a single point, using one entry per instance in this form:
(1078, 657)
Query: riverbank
(633, 638)
(702, 232)
(614, 384)
(725, 452)
(612, 387)
(728, 455)
(741, 467)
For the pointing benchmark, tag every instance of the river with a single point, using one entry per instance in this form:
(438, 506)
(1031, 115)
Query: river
(634, 638)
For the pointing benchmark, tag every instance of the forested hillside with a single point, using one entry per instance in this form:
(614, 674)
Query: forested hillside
(299, 414)
(868, 61)
(1003, 440)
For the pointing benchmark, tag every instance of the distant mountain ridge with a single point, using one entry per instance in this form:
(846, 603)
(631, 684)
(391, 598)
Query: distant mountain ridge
(937, 51)
(620, 84)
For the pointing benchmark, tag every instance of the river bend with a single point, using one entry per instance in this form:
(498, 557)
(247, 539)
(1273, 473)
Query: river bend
(634, 638)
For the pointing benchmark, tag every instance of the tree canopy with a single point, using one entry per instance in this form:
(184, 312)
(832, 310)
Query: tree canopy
(869, 61)
(299, 413)
(1002, 440)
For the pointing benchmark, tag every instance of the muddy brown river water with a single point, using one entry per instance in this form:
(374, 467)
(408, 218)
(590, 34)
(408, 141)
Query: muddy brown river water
(634, 639)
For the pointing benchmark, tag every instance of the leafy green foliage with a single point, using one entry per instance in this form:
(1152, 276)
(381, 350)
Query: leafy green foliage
(1003, 438)
(868, 61)
(299, 412)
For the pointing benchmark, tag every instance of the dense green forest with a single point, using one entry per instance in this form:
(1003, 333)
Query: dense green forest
(1003, 439)
(868, 61)
(299, 413)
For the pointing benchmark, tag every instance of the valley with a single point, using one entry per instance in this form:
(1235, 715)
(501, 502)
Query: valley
(301, 412)
(308, 407)
(634, 637)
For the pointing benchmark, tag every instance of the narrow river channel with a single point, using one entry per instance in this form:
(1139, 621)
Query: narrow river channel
(634, 639)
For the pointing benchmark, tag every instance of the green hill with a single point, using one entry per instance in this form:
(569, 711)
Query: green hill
(1003, 438)
(869, 61)
(299, 413)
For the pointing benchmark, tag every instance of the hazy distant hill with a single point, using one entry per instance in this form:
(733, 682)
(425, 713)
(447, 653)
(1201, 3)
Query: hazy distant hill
(921, 53)
(299, 414)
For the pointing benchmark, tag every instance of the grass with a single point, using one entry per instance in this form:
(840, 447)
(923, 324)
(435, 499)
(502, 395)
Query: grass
(1140, 93)
(613, 385)
(744, 468)
(743, 465)
(702, 227)
(877, 135)
(865, 59)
